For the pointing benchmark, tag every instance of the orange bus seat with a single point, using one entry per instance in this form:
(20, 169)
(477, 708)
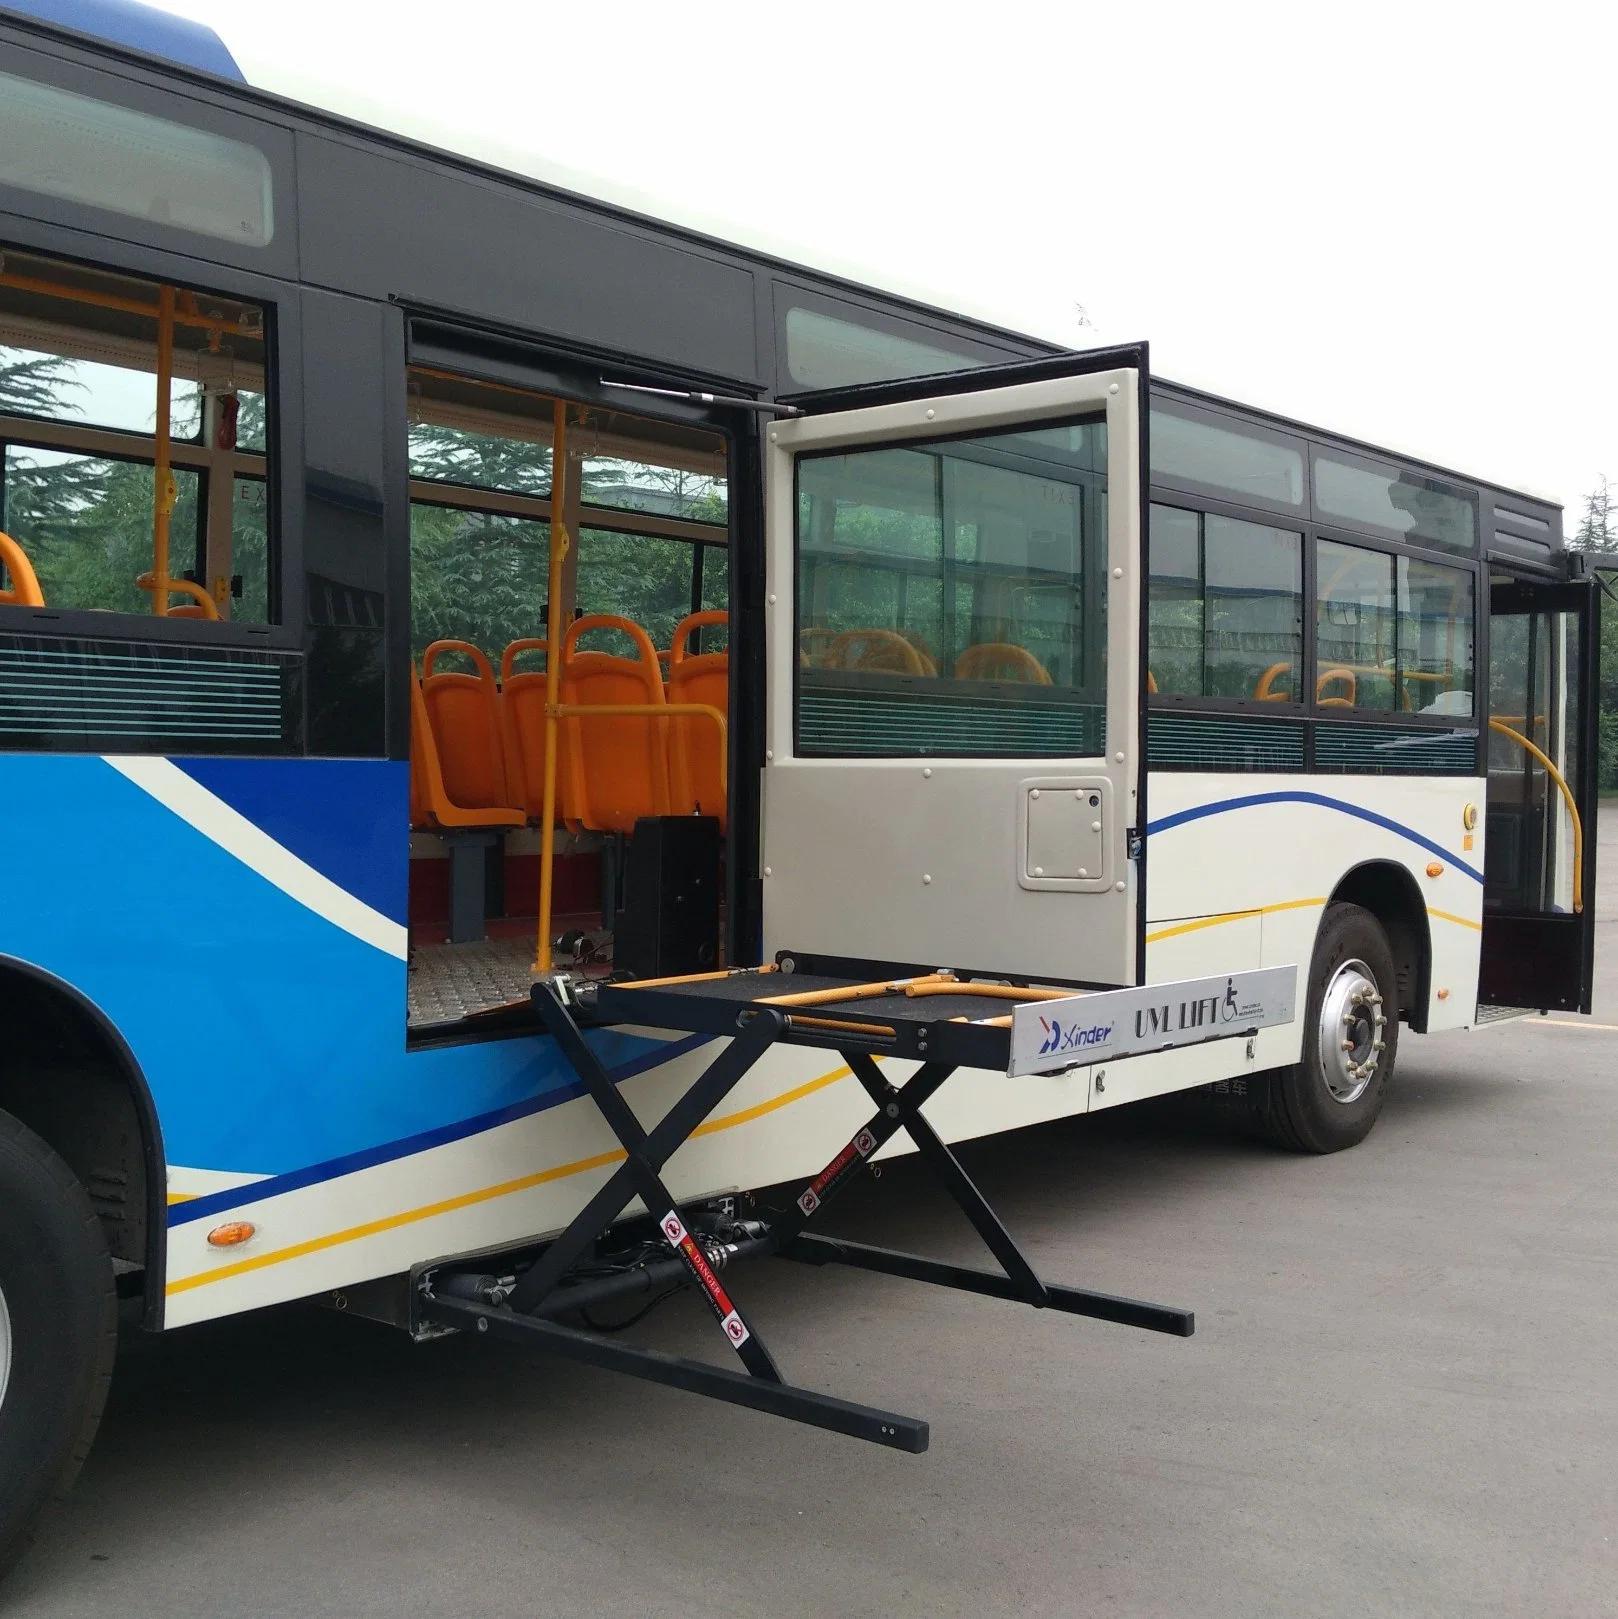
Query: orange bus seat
(702, 677)
(617, 767)
(464, 774)
(1003, 660)
(15, 566)
(522, 718)
(877, 649)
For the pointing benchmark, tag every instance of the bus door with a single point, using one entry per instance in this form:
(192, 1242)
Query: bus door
(953, 762)
(1539, 843)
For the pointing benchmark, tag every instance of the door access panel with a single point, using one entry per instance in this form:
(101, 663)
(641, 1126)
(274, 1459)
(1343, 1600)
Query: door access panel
(952, 768)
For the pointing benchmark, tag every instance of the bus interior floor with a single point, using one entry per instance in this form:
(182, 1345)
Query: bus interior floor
(449, 982)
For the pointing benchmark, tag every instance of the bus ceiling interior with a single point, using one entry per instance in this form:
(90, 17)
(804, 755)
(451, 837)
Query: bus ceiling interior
(635, 704)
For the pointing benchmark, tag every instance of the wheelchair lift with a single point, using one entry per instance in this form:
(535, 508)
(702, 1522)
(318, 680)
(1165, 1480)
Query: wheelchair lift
(862, 1011)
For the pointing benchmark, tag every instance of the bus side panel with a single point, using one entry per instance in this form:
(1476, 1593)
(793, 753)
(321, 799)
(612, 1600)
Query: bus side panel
(1231, 852)
(241, 922)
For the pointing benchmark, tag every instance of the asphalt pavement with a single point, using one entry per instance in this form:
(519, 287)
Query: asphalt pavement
(1401, 1399)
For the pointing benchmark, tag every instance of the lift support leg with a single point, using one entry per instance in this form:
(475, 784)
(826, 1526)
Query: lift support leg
(522, 1314)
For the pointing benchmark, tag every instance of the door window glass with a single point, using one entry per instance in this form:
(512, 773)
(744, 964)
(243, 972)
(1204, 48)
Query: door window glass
(951, 597)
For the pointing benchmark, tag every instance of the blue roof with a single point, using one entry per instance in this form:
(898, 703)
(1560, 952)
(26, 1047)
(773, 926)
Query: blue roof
(144, 27)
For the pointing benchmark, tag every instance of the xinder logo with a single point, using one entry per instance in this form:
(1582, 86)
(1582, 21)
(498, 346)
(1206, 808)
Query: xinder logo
(1072, 1036)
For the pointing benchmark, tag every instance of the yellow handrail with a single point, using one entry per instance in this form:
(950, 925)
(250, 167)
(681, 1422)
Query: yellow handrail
(182, 587)
(553, 680)
(25, 591)
(1567, 798)
(568, 711)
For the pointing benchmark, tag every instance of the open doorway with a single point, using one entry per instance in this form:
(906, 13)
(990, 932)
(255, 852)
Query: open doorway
(640, 799)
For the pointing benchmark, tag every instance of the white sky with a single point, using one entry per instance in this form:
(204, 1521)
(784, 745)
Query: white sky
(1393, 220)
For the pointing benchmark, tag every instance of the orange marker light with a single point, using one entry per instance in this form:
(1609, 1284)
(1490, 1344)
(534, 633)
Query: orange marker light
(1443, 994)
(228, 1236)
(1434, 869)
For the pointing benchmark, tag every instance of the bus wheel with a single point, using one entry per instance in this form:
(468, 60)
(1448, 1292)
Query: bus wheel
(58, 1331)
(1330, 1099)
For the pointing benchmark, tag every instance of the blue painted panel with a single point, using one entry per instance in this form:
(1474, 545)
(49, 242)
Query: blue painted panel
(144, 28)
(272, 1040)
(345, 817)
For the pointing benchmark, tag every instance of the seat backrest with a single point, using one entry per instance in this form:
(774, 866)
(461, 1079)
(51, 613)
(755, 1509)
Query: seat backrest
(696, 764)
(708, 618)
(1002, 660)
(522, 717)
(877, 649)
(617, 764)
(15, 566)
(463, 711)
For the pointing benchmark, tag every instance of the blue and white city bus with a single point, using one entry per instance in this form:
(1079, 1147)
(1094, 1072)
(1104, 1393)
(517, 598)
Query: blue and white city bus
(433, 604)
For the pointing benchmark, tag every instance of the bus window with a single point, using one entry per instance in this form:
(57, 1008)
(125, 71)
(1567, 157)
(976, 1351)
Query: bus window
(1420, 509)
(1435, 638)
(1394, 633)
(475, 576)
(823, 351)
(1236, 459)
(480, 468)
(1226, 607)
(132, 420)
(638, 577)
(949, 597)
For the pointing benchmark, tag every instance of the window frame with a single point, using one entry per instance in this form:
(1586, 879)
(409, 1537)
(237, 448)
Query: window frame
(1295, 709)
(1309, 712)
(283, 471)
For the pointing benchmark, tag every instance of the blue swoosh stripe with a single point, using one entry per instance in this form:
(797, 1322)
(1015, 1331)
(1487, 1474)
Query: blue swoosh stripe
(1225, 805)
(199, 1208)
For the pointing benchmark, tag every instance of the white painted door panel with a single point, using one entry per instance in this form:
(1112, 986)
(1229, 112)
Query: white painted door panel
(930, 858)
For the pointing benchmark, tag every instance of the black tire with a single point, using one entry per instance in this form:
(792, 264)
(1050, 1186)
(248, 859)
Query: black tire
(61, 1305)
(1298, 1107)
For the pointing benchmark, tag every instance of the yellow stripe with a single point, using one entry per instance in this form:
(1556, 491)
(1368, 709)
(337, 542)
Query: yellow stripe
(181, 1197)
(730, 1120)
(1229, 916)
(1285, 905)
(371, 1228)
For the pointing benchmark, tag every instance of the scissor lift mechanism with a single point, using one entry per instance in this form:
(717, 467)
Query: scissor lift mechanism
(934, 1018)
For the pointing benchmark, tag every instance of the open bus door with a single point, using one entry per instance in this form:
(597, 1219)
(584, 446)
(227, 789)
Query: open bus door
(1539, 845)
(953, 768)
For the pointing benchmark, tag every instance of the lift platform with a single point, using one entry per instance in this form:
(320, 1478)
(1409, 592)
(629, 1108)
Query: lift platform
(939, 1021)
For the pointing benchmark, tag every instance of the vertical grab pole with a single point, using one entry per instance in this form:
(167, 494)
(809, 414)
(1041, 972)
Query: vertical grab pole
(553, 680)
(164, 492)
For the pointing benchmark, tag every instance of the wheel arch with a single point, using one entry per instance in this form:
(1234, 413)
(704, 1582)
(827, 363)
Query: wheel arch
(1389, 891)
(69, 1075)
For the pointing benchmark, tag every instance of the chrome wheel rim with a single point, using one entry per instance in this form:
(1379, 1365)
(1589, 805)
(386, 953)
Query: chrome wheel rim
(5, 1347)
(1351, 1032)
